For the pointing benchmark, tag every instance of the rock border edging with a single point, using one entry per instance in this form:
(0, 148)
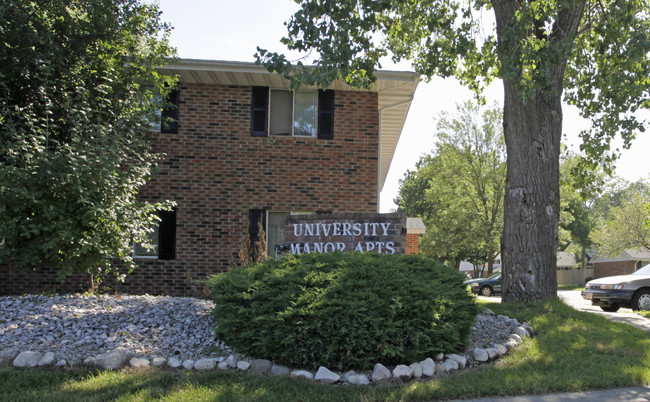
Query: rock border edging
(430, 367)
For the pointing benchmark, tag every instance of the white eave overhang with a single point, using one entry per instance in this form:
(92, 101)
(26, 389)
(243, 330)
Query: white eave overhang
(395, 92)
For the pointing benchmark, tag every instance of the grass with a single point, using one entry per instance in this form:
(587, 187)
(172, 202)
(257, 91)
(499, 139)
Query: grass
(646, 314)
(574, 351)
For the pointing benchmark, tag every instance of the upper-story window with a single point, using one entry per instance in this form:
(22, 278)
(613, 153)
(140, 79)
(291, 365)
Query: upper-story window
(167, 121)
(308, 113)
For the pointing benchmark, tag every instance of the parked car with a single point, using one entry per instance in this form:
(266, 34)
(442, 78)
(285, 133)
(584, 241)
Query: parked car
(613, 292)
(486, 286)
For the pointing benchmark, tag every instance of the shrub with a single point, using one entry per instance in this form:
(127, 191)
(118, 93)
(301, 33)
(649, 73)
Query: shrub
(340, 310)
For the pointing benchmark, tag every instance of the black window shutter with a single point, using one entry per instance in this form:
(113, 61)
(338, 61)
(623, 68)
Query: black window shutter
(167, 235)
(326, 114)
(259, 112)
(169, 116)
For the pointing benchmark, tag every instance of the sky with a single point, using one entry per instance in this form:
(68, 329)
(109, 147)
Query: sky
(232, 30)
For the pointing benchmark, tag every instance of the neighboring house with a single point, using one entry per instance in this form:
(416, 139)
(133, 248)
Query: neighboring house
(569, 271)
(624, 264)
(566, 260)
(244, 149)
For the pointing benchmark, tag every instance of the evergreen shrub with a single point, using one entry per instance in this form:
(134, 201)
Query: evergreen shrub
(343, 310)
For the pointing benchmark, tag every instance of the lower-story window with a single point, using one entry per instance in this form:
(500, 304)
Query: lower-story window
(273, 223)
(163, 237)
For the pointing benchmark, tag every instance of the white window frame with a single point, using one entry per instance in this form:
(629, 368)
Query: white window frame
(269, 252)
(141, 253)
(314, 92)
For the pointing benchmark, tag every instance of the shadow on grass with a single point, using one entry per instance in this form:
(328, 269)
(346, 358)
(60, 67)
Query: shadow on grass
(176, 385)
(573, 351)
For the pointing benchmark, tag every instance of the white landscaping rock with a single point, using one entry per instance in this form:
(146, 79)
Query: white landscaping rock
(174, 362)
(278, 370)
(113, 360)
(404, 373)
(417, 370)
(28, 359)
(205, 364)
(243, 365)
(158, 361)
(348, 374)
(188, 364)
(261, 366)
(47, 360)
(449, 365)
(223, 365)
(439, 357)
(492, 353)
(139, 362)
(440, 369)
(461, 360)
(302, 374)
(428, 367)
(529, 328)
(358, 379)
(380, 373)
(325, 375)
(501, 349)
(232, 361)
(521, 331)
(517, 338)
(480, 355)
(61, 363)
(7, 356)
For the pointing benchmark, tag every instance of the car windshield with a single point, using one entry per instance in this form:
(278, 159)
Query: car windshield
(643, 271)
(495, 275)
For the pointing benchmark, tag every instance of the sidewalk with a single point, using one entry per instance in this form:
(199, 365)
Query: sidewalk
(637, 394)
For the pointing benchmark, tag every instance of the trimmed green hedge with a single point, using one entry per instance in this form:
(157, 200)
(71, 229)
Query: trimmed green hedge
(343, 311)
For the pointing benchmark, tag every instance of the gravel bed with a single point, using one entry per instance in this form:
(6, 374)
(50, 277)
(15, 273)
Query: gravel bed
(75, 327)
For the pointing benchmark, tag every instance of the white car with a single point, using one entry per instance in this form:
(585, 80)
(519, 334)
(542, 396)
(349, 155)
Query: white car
(613, 292)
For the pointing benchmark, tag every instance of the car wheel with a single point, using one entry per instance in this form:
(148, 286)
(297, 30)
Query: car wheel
(610, 309)
(486, 291)
(641, 300)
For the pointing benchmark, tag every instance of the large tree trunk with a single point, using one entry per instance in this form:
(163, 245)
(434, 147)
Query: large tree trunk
(532, 124)
(532, 130)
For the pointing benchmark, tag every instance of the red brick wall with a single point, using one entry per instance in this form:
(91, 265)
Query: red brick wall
(412, 245)
(602, 269)
(217, 172)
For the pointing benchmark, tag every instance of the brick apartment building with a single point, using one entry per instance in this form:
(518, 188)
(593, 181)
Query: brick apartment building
(245, 149)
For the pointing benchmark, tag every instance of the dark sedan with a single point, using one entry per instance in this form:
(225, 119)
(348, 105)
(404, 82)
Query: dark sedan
(486, 286)
(613, 292)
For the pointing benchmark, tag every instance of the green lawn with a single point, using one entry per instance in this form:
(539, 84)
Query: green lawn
(573, 351)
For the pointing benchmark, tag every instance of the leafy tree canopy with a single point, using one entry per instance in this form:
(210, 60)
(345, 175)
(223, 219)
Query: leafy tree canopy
(591, 53)
(78, 89)
(605, 45)
(626, 225)
(458, 189)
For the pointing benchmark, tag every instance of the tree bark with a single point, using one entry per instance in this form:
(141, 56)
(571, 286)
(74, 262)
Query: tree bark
(532, 130)
(532, 127)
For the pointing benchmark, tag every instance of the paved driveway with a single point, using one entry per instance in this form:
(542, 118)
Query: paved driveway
(573, 299)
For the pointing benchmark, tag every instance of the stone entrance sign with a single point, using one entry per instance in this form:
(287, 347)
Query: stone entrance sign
(381, 233)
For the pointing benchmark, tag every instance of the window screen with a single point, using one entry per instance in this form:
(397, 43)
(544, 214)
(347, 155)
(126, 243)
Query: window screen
(281, 107)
